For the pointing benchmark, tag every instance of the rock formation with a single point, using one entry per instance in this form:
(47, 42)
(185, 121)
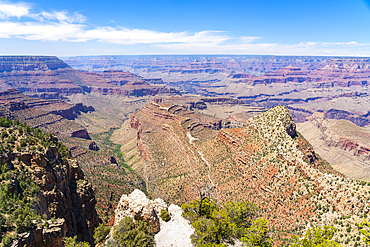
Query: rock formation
(175, 232)
(49, 115)
(52, 235)
(93, 146)
(341, 142)
(64, 193)
(266, 162)
(139, 207)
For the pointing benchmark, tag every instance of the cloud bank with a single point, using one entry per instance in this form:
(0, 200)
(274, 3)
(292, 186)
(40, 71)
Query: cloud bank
(20, 22)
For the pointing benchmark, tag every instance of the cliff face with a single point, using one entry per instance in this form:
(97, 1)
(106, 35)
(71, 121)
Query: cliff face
(65, 201)
(50, 115)
(30, 63)
(266, 162)
(64, 195)
(341, 142)
(50, 77)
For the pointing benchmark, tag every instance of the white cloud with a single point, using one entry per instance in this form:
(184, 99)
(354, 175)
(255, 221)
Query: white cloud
(347, 43)
(62, 16)
(141, 36)
(40, 31)
(13, 10)
(62, 26)
(303, 48)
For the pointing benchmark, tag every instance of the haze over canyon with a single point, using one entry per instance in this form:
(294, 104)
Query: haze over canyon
(287, 133)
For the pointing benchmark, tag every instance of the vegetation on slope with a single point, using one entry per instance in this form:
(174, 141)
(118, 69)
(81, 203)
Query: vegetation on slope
(222, 224)
(110, 180)
(18, 192)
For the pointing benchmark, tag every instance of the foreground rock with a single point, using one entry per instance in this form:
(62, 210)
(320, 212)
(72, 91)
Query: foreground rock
(137, 206)
(175, 232)
(65, 199)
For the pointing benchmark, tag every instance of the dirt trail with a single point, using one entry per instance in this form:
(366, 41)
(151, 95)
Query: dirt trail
(191, 139)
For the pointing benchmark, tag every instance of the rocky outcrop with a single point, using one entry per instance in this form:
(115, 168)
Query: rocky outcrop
(139, 207)
(175, 232)
(93, 146)
(73, 111)
(134, 122)
(64, 195)
(30, 63)
(50, 234)
(112, 160)
(81, 134)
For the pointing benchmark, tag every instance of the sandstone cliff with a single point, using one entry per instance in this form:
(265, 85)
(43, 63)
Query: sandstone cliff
(26, 63)
(50, 115)
(174, 232)
(266, 162)
(50, 77)
(65, 201)
(340, 142)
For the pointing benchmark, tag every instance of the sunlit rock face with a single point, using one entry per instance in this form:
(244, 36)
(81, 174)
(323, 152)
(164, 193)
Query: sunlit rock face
(139, 207)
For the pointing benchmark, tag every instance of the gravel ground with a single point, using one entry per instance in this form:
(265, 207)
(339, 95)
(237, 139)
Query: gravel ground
(175, 232)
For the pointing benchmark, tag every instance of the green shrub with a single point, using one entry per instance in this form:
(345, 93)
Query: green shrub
(100, 233)
(317, 236)
(5, 122)
(7, 240)
(257, 234)
(165, 215)
(72, 242)
(220, 225)
(22, 217)
(132, 234)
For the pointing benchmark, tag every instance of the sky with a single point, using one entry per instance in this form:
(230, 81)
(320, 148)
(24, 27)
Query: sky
(137, 27)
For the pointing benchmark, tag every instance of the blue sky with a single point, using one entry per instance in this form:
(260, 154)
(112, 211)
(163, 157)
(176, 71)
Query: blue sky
(266, 27)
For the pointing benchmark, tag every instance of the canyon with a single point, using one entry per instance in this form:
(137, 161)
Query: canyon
(343, 144)
(303, 84)
(164, 124)
(174, 152)
(62, 198)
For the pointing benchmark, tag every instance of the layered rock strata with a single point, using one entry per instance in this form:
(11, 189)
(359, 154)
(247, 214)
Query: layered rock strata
(64, 195)
(139, 207)
(341, 142)
(266, 162)
(50, 77)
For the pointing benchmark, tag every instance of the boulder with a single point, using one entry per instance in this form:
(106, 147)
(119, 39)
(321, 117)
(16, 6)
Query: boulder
(93, 146)
(112, 160)
(139, 207)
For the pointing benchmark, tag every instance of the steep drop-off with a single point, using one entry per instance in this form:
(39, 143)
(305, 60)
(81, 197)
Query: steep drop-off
(50, 77)
(266, 162)
(50, 115)
(63, 202)
(342, 143)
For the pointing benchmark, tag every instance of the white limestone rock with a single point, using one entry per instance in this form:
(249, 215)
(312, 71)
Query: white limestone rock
(176, 232)
(139, 207)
